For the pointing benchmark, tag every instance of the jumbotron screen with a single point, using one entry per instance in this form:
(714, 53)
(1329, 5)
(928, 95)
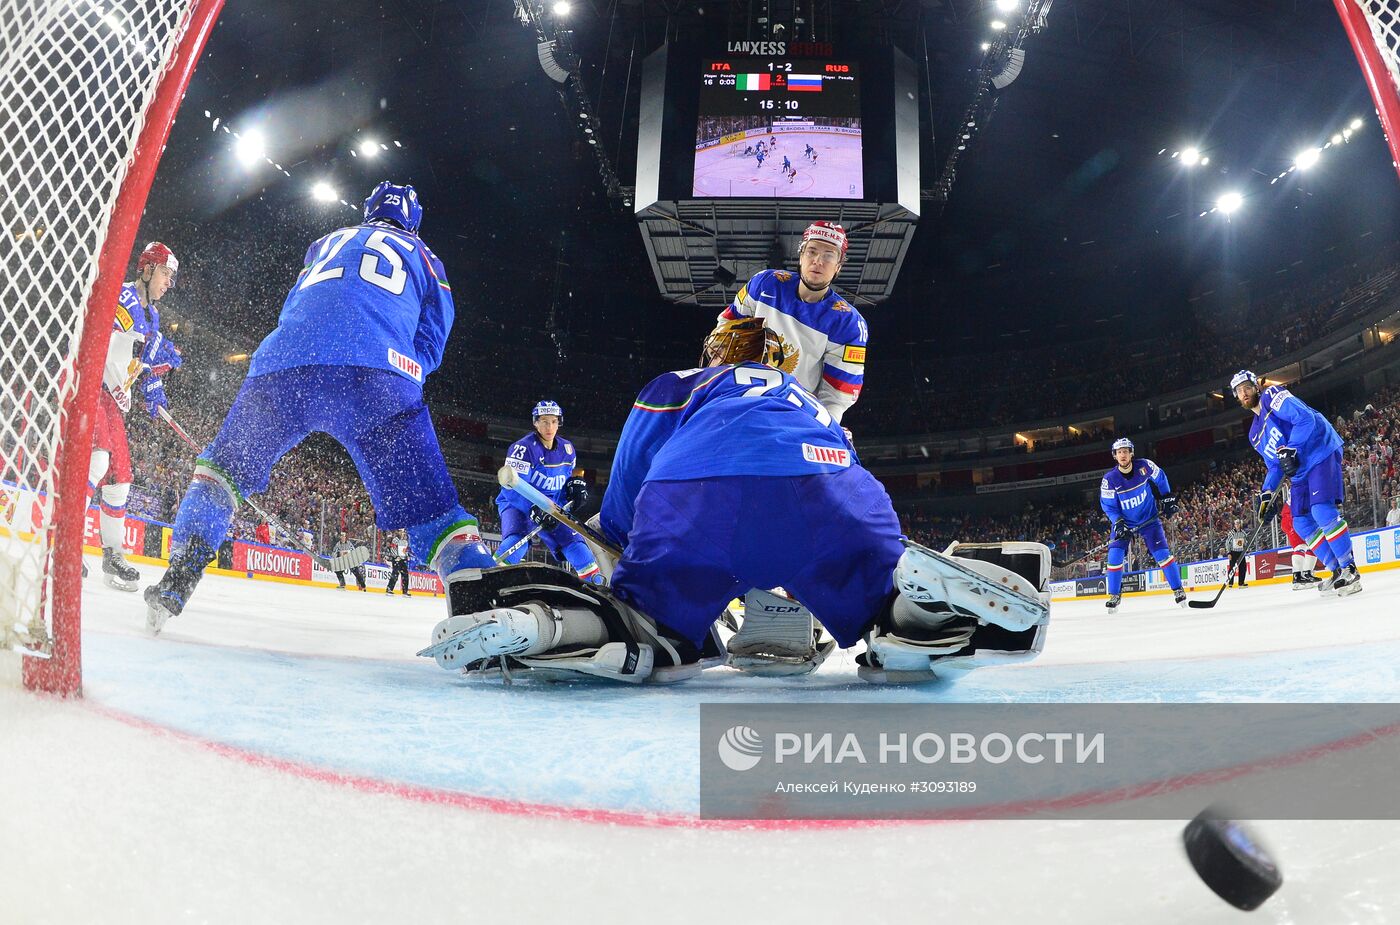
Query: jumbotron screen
(777, 127)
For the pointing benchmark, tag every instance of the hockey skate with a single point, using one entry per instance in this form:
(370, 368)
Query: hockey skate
(117, 572)
(1347, 581)
(167, 597)
(1179, 598)
(1326, 587)
(1305, 580)
(1113, 601)
(460, 641)
(545, 623)
(975, 604)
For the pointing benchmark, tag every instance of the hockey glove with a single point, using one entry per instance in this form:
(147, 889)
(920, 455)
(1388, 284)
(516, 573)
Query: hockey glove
(155, 396)
(161, 355)
(576, 493)
(1169, 506)
(1119, 529)
(542, 518)
(1288, 461)
(1270, 505)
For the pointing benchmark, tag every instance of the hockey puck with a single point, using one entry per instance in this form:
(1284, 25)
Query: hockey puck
(1231, 861)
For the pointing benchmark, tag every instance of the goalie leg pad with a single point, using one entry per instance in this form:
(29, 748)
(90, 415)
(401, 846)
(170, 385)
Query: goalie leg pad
(980, 586)
(589, 632)
(778, 637)
(971, 606)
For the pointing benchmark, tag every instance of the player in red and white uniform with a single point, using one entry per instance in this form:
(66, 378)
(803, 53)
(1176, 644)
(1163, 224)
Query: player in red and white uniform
(824, 332)
(1303, 560)
(138, 355)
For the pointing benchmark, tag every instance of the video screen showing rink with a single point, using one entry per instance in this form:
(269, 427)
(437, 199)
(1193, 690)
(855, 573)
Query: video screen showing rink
(806, 164)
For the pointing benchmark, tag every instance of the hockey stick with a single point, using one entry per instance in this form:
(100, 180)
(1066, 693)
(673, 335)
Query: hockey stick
(1229, 574)
(524, 539)
(341, 563)
(511, 479)
(1097, 549)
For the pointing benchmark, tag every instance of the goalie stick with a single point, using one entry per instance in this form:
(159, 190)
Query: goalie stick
(1203, 605)
(511, 479)
(341, 563)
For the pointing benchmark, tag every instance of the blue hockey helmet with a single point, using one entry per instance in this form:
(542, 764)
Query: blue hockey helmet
(548, 407)
(1242, 377)
(1123, 443)
(396, 203)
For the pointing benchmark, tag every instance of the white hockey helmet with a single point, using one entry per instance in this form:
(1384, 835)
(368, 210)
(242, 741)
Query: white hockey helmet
(1123, 443)
(1242, 377)
(547, 407)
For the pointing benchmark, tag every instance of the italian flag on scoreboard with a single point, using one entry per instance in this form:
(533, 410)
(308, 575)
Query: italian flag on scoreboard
(808, 82)
(753, 81)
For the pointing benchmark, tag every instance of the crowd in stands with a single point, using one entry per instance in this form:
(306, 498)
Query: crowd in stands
(1043, 383)
(1210, 506)
(316, 486)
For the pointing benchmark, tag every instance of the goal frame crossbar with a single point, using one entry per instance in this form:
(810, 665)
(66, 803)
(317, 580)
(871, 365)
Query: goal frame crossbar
(1381, 77)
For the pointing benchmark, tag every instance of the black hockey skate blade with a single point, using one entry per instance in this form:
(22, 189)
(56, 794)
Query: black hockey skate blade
(1231, 860)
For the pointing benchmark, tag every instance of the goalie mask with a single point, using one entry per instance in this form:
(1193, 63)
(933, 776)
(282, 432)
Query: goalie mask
(743, 340)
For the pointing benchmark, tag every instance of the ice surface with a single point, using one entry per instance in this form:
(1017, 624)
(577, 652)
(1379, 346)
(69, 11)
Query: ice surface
(270, 690)
(835, 175)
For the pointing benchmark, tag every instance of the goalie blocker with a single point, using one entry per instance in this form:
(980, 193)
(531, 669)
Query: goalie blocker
(972, 605)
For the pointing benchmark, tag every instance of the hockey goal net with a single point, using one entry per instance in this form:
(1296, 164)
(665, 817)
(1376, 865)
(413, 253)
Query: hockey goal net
(1374, 29)
(88, 92)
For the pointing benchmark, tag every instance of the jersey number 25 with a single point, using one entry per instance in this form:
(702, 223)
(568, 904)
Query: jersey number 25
(378, 241)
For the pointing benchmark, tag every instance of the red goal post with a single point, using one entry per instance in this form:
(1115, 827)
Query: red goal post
(90, 91)
(1373, 26)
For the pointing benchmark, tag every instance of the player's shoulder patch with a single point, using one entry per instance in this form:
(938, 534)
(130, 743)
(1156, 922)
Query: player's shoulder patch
(841, 305)
(123, 319)
(853, 354)
(782, 276)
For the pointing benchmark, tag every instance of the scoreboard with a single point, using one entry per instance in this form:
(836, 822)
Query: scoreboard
(780, 127)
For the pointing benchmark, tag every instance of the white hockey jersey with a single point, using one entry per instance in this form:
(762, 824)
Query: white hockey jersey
(828, 337)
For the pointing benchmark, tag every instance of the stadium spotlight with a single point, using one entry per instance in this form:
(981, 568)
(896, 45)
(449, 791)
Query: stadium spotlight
(1007, 6)
(369, 148)
(322, 191)
(997, 25)
(986, 46)
(1205, 161)
(1337, 138)
(250, 148)
(1190, 156)
(562, 8)
(1306, 158)
(1229, 203)
(1346, 134)
(1355, 124)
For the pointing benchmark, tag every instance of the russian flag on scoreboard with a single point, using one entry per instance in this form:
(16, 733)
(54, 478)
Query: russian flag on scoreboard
(809, 82)
(752, 81)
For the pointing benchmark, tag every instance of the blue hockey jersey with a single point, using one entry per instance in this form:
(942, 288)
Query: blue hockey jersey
(546, 469)
(1131, 496)
(828, 338)
(369, 295)
(746, 419)
(1284, 420)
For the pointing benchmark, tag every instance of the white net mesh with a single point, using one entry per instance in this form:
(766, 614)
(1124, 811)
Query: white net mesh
(1383, 16)
(76, 80)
